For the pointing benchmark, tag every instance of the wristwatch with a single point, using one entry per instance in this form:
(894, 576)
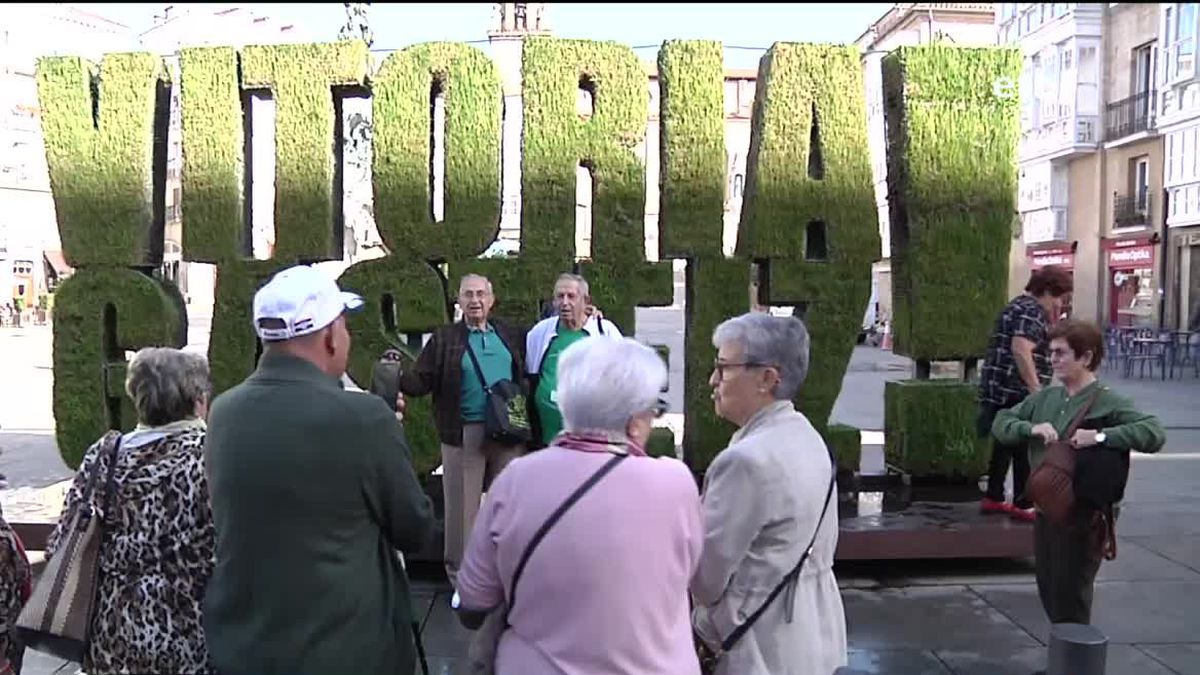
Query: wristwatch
(1100, 438)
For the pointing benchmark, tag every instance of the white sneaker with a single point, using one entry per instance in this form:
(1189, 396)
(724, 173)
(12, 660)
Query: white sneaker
(455, 601)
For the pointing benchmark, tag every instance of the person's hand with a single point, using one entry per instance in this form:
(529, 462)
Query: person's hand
(1084, 438)
(593, 310)
(1046, 432)
(400, 405)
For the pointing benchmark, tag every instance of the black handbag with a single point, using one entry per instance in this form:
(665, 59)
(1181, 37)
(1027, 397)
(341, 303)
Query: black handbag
(709, 658)
(506, 417)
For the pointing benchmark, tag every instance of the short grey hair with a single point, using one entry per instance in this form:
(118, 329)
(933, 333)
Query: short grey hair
(580, 281)
(780, 341)
(165, 384)
(602, 382)
(468, 277)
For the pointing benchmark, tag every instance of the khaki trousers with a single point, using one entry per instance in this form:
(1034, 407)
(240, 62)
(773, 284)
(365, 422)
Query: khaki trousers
(465, 472)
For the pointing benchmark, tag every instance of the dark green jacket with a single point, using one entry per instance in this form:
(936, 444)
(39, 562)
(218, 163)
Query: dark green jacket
(1123, 425)
(312, 488)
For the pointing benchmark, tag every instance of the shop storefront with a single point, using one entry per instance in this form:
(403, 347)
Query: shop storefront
(1132, 281)
(1185, 290)
(1062, 255)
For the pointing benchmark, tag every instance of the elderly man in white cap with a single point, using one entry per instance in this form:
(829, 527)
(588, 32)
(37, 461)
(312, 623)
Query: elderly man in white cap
(312, 491)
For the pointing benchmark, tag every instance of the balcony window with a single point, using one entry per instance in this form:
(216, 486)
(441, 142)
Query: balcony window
(1180, 25)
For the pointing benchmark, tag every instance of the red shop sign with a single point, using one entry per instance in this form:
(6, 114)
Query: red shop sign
(1062, 256)
(1135, 257)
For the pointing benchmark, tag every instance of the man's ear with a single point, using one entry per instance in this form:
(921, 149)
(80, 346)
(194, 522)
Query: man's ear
(328, 341)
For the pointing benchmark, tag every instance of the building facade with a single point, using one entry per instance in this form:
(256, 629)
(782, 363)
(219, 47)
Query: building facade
(31, 260)
(1130, 282)
(1091, 154)
(1177, 105)
(907, 24)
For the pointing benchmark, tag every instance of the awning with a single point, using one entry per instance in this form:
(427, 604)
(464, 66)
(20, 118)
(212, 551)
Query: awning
(55, 259)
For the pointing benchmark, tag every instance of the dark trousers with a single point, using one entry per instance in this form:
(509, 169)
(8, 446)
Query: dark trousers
(1067, 560)
(1002, 455)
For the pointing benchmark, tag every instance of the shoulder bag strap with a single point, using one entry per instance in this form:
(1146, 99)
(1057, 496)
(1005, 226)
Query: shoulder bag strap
(110, 489)
(1079, 417)
(512, 356)
(545, 352)
(741, 630)
(108, 449)
(475, 362)
(554, 518)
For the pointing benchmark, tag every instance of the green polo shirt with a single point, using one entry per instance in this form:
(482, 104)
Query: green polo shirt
(496, 362)
(547, 403)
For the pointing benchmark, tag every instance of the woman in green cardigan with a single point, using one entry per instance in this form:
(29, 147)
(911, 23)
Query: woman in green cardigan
(1068, 555)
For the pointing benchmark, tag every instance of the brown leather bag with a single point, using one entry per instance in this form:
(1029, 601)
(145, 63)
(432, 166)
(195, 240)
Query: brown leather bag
(1052, 485)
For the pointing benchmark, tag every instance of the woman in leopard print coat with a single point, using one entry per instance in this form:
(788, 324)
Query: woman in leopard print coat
(158, 548)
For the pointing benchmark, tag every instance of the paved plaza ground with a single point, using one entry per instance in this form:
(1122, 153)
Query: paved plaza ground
(910, 618)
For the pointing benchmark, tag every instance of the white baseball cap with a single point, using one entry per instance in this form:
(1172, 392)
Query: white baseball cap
(298, 301)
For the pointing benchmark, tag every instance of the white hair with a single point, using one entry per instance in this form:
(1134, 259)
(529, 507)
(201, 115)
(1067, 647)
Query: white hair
(579, 281)
(602, 382)
(780, 341)
(473, 276)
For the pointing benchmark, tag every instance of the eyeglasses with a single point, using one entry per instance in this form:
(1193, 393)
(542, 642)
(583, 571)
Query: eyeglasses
(720, 366)
(660, 408)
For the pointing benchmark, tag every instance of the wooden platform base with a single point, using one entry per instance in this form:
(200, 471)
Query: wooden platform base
(921, 529)
(927, 530)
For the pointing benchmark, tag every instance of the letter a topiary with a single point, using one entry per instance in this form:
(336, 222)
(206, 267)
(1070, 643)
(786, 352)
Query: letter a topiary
(809, 207)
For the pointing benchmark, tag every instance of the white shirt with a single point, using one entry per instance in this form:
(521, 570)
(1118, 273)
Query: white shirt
(537, 341)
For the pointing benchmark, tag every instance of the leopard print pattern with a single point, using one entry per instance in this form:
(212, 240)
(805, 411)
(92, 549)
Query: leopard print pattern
(15, 579)
(156, 557)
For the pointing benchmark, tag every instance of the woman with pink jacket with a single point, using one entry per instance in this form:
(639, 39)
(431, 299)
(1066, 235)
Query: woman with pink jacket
(605, 590)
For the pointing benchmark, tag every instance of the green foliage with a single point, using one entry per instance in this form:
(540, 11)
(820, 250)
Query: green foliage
(845, 442)
(952, 179)
(930, 428)
(101, 155)
(692, 149)
(402, 146)
(99, 315)
(951, 172)
(211, 178)
(716, 290)
(233, 346)
(301, 77)
(399, 298)
(795, 189)
(661, 443)
(555, 141)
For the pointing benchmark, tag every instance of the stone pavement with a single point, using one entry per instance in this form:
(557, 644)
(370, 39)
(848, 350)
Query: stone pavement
(904, 618)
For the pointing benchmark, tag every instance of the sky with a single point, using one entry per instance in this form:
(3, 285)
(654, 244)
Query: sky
(397, 25)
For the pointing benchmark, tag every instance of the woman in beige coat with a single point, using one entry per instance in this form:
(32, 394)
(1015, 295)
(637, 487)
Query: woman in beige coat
(767, 497)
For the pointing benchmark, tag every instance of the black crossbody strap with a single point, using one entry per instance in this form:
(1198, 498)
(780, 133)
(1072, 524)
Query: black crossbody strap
(554, 518)
(475, 362)
(738, 632)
